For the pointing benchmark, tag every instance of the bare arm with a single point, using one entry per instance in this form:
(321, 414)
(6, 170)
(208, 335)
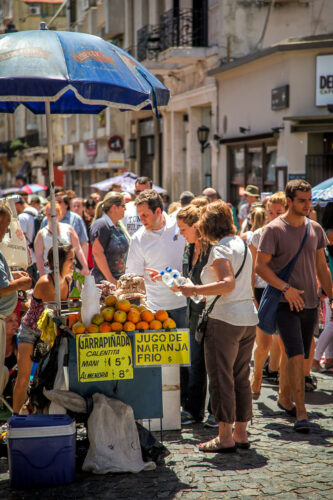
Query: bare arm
(23, 283)
(85, 248)
(102, 263)
(254, 258)
(293, 295)
(39, 253)
(78, 250)
(323, 273)
(225, 284)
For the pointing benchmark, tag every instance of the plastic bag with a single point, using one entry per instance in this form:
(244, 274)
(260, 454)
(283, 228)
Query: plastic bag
(114, 440)
(90, 297)
(14, 246)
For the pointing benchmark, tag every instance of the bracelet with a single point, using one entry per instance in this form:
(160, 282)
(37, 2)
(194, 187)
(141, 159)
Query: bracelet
(194, 293)
(286, 288)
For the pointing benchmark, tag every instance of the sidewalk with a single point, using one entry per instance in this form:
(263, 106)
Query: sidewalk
(280, 464)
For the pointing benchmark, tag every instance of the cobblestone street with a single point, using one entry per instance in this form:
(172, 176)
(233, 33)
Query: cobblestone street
(280, 464)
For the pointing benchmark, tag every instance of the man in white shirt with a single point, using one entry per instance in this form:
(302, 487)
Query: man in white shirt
(155, 246)
(131, 218)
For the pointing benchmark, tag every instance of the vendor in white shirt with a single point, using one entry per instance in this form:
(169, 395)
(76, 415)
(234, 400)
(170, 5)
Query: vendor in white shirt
(157, 245)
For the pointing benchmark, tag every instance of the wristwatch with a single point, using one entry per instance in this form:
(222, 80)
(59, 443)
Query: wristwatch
(286, 288)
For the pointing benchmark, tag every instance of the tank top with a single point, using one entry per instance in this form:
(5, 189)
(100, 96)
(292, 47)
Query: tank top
(64, 238)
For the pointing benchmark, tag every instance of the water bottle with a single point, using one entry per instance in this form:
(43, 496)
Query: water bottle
(166, 278)
(179, 280)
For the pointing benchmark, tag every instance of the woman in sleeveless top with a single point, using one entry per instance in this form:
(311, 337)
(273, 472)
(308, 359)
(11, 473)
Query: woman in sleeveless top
(66, 236)
(29, 333)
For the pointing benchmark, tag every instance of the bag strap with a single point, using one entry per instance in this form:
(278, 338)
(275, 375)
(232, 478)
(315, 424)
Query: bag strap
(210, 308)
(294, 259)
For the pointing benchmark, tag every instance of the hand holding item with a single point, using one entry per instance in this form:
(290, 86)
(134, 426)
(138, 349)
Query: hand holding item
(187, 290)
(154, 275)
(24, 282)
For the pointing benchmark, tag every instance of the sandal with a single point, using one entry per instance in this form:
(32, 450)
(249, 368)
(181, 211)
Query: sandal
(214, 446)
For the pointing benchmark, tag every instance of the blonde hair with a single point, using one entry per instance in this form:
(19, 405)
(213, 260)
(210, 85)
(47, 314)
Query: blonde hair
(278, 198)
(111, 198)
(199, 201)
(190, 215)
(258, 218)
(173, 207)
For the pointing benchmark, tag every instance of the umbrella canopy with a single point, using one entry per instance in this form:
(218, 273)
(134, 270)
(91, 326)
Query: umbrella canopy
(323, 192)
(4, 192)
(75, 72)
(127, 182)
(70, 72)
(32, 188)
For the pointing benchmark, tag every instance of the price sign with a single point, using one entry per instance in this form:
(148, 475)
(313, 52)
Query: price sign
(104, 356)
(162, 348)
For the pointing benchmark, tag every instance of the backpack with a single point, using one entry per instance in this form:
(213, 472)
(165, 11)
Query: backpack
(37, 223)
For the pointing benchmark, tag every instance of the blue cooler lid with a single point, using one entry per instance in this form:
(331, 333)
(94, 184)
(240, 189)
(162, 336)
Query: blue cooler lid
(37, 420)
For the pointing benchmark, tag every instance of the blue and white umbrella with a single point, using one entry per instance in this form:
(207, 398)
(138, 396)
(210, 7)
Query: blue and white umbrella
(323, 193)
(70, 72)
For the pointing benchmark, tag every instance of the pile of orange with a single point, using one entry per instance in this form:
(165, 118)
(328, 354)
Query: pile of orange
(121, 315)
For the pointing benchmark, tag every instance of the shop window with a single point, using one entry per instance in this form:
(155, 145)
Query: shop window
(251, 164)
(254, 165)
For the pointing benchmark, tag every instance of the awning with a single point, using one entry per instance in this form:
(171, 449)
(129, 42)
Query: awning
(42, 1)
(248, 138)
(311, 123)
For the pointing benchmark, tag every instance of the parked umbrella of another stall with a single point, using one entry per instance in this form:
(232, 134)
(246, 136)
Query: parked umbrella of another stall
(323, 193)
(32, 188)
(70, 72)
(127, 182)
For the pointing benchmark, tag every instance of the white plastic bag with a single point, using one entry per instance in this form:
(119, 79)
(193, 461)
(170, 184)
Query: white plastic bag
(14, 245)
(90, 297)
(114, 440)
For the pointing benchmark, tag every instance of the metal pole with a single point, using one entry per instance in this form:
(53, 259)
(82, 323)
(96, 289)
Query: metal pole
(53, 208)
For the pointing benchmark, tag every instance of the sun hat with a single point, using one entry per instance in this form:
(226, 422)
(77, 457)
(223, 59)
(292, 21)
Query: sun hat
(251, 190)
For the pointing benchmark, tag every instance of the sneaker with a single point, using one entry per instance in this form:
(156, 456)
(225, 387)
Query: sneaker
(210, 422)
(310, 383)
(186, 418)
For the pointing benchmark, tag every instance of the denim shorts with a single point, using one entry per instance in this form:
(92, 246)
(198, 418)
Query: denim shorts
(27, 335)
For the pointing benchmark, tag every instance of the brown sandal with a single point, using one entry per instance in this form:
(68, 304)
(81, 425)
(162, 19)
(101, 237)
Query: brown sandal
(214, 446)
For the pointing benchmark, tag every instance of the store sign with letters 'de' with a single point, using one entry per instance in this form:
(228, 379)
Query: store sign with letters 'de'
(162, 348)
(324, 80)
(91, 145)
(104, 356)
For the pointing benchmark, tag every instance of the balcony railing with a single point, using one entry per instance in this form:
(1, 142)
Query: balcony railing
(183, 28)
(177, 28)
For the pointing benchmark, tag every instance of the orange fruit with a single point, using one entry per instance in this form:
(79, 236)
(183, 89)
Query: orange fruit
(116, 326)
(142, 325)
(78, 327)
(161, 315)
(133, 315)
(120, 316)
(129, 326)
(169, 323)
(147, 316)
(108, 313)
(155, 325)
(105, 327)
(92, 328)
(111, 301)
(97, 319)
(123, 305)
(142, 308)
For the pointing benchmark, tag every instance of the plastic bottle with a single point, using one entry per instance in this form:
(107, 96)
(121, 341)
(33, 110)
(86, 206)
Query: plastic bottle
(179, 280)
(166, 278)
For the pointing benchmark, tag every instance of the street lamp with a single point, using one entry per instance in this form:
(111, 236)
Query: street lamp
(202, 133)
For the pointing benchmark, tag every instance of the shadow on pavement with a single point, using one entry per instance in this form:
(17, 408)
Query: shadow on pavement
(316, 437)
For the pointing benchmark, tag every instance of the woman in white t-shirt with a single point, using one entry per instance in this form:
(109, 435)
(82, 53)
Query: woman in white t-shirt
(231, 329)
(66, 236)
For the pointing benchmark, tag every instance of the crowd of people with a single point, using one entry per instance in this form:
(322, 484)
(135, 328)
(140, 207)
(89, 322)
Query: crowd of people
(228, 255)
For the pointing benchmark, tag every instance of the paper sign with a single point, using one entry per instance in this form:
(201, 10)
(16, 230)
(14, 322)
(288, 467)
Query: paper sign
(104, 356)
(162, 348)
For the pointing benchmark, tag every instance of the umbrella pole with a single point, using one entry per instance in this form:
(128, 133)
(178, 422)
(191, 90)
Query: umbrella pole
(53, 208)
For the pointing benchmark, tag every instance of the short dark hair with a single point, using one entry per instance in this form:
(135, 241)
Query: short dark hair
(63, 252)
(296, 185)
(144, 180)
(152, 198)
